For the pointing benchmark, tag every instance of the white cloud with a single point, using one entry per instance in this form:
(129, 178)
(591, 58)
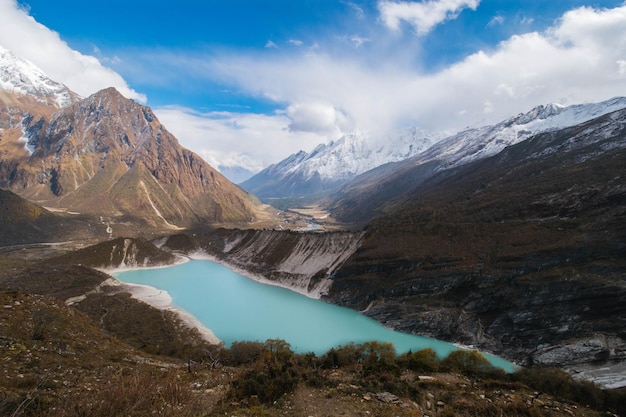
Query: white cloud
(270, 44)
(496, 21)
(296, 42)
(422, 16)
(358, 10)
(579, 59)
(252, 141)
(28, 39)
(316, 117)
(621, 67)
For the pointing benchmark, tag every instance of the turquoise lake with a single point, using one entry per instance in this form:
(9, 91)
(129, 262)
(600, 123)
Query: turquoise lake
(236, 308)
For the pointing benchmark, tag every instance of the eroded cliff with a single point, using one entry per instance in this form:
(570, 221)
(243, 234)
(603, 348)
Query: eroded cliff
(303, 262)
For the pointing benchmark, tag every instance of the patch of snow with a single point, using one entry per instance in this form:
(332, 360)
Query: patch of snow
(23, 77)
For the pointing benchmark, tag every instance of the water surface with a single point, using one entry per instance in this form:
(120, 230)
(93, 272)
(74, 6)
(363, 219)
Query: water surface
(236, 308)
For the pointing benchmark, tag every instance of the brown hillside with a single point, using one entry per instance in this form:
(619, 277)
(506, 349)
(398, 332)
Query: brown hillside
(109, 156)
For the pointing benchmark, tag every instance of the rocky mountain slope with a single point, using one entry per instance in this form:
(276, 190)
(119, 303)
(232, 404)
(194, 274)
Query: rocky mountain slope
(303, 262)
(521, 253)
(107, 156)
(365, 196)
(330, 165)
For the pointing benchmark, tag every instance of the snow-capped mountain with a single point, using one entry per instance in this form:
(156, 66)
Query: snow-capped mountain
(104, 156)
(336, 163)
(478, 143)
(544, 131)
(332, 164)
(25, 78)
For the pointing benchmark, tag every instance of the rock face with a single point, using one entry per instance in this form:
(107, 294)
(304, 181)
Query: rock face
(109, 156)
(120, 253)
(303, 262)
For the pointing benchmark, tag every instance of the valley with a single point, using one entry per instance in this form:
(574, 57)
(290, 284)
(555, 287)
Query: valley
(510, 238)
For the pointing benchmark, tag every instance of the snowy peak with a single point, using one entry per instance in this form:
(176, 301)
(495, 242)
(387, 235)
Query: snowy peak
(540, 113)
(472, 144)
(337, 162)
(332, 164)
(22, 77)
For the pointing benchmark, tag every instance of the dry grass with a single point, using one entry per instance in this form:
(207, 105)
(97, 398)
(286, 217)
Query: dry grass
(56, 362)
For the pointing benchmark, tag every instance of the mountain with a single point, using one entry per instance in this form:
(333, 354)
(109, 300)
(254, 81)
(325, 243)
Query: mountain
(330, 165)
(22, 82)
(367, 195)
(521, 253)
(106, 156)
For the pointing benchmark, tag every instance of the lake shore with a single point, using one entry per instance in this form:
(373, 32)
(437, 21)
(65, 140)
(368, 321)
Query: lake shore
(203, 256)
(161, 300)
(604, 376)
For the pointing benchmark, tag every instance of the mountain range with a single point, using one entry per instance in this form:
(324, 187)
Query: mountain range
(336, 164)
(106, 156)
(330, 165)
(367, 195)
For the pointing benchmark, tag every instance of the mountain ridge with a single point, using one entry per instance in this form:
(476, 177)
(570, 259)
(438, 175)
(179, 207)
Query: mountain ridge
(365, 196)
(331, 166)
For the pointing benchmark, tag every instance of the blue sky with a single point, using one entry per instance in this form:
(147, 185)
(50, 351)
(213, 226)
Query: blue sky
(248, 82)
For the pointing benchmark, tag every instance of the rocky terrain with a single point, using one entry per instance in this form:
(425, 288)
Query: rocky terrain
(303, 262)
(518, 249)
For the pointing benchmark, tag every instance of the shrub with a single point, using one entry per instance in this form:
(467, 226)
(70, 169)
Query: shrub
(243, 353)
(267, 384)
(466, 361)
(424, 360)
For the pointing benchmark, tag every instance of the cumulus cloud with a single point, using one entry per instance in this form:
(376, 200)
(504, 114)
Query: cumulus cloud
(422, 16)
(579, 59)
(28, 39)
